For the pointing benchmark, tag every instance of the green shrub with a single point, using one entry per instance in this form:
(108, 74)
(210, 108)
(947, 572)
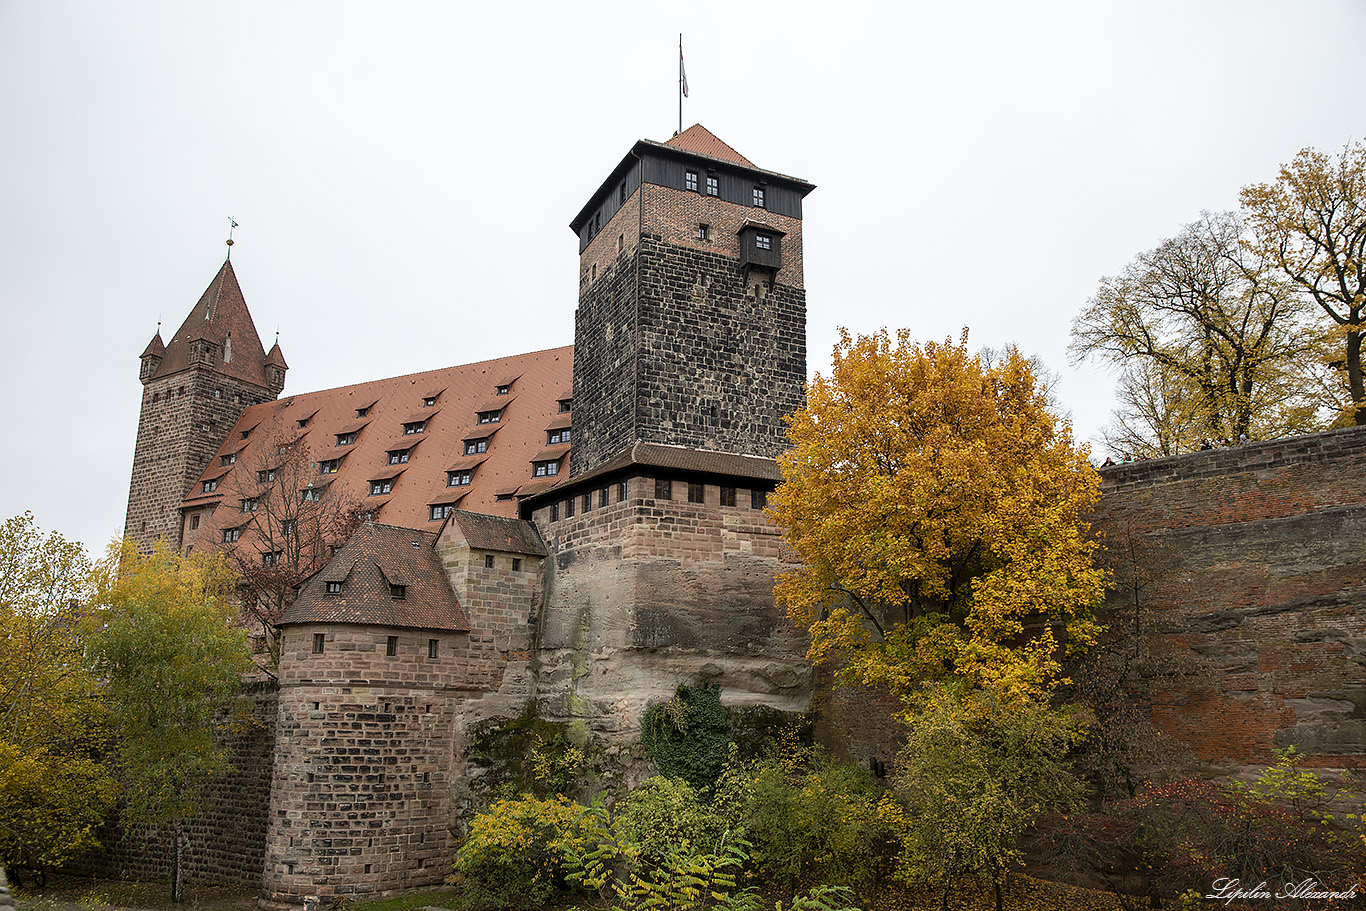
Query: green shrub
(687, 737)
(517, 851)
(664, 816)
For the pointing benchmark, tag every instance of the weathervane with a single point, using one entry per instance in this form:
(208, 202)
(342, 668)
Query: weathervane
(231, 224)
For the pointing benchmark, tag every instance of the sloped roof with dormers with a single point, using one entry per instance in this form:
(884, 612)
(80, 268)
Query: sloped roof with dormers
(221, 317)
(376, 558)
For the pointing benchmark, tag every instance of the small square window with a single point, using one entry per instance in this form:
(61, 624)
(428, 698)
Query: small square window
(311, 494)
(758, 499)
(727, 496)
(759, 197)
(391, 646)
(318, 641)
(458, 478)
(398, 592)
(690, 181)
(431, 647)
(303, 422)
(488, 561)
(663, 489)
(566, 405)
(713, 186)
(334, 588)
(695, 492)
(516, 564)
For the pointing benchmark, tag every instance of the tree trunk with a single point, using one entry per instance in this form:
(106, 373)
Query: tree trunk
(996, 888)
(178, 865)
(1354, 381)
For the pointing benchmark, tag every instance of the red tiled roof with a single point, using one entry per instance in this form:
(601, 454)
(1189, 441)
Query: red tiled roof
(221, 313)
(500, 533)
(560, 421)
(542, 378)
(376, 556)
(551, 453)
(155, 347)
(703, 141)
(495, 403)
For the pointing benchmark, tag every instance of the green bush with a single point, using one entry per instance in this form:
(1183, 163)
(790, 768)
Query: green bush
(664, 816)
(687, 737)
(517, 852)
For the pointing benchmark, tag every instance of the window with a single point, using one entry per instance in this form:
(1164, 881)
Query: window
(516, 564)
(329, 466)
(318, 640)
(398, 456)
(569, 508)
(727, 496)
(703, 231)
(229, 459)
(554, 512)
(695, 492)
(311, 494)
(543, 469)
(587, 501)
(346, 439)
(288, 527)
(473, 447)
(621, 491)
(237, 398)
(265, 476)
(270, 558)
(602, 496)
(218, 393)
(398, 592)
(429, 401)
(413, 427)
(303, 422)
(245, 434)
(334, 588)
(503, 497)
(759, 197)
(758, 499)
(488, 561)
(362, 412)
(458, 478)
(211, 486)
(558, 436)
(713, 186)
(763, 241)
(382, 486)
(249, 505)
(440, 511)
(230, 535)
(663, 489)
(503, 389)
(431, 648)
(622, 196)
(690, 180)
(490, 417)
(391, 646)
(565, 405)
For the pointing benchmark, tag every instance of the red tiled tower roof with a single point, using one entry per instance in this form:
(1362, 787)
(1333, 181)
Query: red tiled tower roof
(221, 317)
(155, 348)
(703, 141)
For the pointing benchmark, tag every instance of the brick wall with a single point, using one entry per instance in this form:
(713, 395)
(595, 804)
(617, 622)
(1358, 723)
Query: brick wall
(183, 421)
(1258, 573)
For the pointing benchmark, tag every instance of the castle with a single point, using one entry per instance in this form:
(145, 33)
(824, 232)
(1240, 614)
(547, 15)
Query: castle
(582, 529)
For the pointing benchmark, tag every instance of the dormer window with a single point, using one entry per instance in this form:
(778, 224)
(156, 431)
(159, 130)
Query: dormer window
(329, 466)
(413, 427)
(229, 459)
(490, 417)
(557, 436)
(265, 476)
(399, 456)
(544, 469)
(458, 478)
(311, 494)
(231, 535)
(363, 412)
(503, 389)
(347, 439)
(334, 588)
(211, 486)
(429, 401)
(270, 558)
(566, 405)
(303, 422)
(398, 592)
(473, 447)
(249, 504)
(441, 511)
(381, 486)
(246, 433)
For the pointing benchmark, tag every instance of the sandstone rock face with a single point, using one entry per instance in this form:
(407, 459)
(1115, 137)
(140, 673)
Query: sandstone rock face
(1259, 574)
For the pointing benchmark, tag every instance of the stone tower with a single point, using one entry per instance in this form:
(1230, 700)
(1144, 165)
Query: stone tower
(193, 391)
(691, 324)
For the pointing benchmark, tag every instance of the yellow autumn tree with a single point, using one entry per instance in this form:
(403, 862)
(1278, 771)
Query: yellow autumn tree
(939, 510)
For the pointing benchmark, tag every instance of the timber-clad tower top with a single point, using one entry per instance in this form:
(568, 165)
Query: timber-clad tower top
(691, 323)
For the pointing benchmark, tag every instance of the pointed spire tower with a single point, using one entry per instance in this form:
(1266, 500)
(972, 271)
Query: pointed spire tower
(194, 389)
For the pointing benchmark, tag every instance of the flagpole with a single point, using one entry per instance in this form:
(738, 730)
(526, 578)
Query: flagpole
(680, 82)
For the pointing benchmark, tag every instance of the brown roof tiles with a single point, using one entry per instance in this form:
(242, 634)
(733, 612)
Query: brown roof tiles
(703, 141)
(499, 533)
(221, 314)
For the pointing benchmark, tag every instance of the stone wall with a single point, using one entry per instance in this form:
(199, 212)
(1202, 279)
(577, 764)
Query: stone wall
(227, 844)
(1255, 571)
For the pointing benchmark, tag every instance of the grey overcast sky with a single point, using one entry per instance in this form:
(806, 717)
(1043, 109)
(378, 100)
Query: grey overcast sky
(404, 174)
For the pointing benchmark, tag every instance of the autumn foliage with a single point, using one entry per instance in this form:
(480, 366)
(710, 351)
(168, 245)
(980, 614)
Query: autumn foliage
(938, 508)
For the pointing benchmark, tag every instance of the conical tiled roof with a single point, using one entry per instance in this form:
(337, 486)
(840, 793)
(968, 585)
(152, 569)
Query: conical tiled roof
(221, 316)
(703, 141)
(276, 357)
(155, 348)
